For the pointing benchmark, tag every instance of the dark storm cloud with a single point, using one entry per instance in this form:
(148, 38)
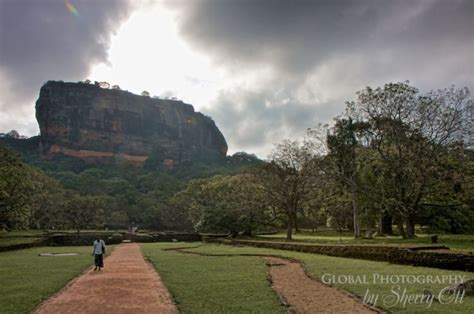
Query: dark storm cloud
(42, 40)
(299, 34)
(328, 47)
(292, 34)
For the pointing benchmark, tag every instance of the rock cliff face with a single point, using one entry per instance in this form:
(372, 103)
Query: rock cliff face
(96, 124)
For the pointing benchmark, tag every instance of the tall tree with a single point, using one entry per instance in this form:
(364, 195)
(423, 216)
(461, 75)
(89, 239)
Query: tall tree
(84, 212)
(230, 204)
(342, 144)
(15, 190)
(411, 133)
(285, 180)
(48, 198)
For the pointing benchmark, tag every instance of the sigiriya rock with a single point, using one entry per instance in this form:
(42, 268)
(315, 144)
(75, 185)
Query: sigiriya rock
(96, 124)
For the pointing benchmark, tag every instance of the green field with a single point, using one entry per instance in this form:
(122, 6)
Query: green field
(201, 284)
(27, 278)
(457, 242)
(238, 283)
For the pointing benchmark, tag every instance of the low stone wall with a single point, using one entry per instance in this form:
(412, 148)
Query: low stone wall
(391, 254)
(21, 246)
(109, 238)
(82, 239)
(170, 237)
(116, 238)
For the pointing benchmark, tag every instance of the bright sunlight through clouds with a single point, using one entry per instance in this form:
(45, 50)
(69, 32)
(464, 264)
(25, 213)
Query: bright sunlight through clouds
(147, 54)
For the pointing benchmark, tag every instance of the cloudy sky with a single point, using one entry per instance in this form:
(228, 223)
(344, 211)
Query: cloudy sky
(264, 70)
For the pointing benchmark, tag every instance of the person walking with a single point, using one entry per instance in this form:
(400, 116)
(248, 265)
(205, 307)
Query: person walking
(98, 253)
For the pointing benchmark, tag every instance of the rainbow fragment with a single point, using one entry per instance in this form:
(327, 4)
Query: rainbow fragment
(71, 8)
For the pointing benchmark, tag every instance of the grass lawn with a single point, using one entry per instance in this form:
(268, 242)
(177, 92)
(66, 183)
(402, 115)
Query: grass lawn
(238, 284)
(27, 279)
(318, 265)
(458, 242)
(202, 284)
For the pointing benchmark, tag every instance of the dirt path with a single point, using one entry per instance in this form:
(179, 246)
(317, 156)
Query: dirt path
(127, 284)
(305, 295)
(298, 291)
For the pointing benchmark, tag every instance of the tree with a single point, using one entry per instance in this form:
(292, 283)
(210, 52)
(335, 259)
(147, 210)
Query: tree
(116, 87)
(13, 134)
(246, 205)
(84, 212)
(449, 207)
(145, 93)
(411, 134)
(118, 220)
(191, 200)
(342, 144)
(48, 198)
(15, 190)
(227, 204)
(104, 85)
(338, 207)
(285, 181)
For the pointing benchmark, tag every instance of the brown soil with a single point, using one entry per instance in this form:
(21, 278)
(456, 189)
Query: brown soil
(127, 284)
(297, 290)
(304, 295)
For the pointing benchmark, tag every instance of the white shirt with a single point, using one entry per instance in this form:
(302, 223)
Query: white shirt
(98, 247)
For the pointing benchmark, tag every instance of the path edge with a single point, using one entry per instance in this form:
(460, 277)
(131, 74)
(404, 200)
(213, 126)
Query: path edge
(152, 266)
(66, 286)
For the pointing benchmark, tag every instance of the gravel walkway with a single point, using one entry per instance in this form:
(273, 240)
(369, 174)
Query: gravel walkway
(305, 295)
(127, 284)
